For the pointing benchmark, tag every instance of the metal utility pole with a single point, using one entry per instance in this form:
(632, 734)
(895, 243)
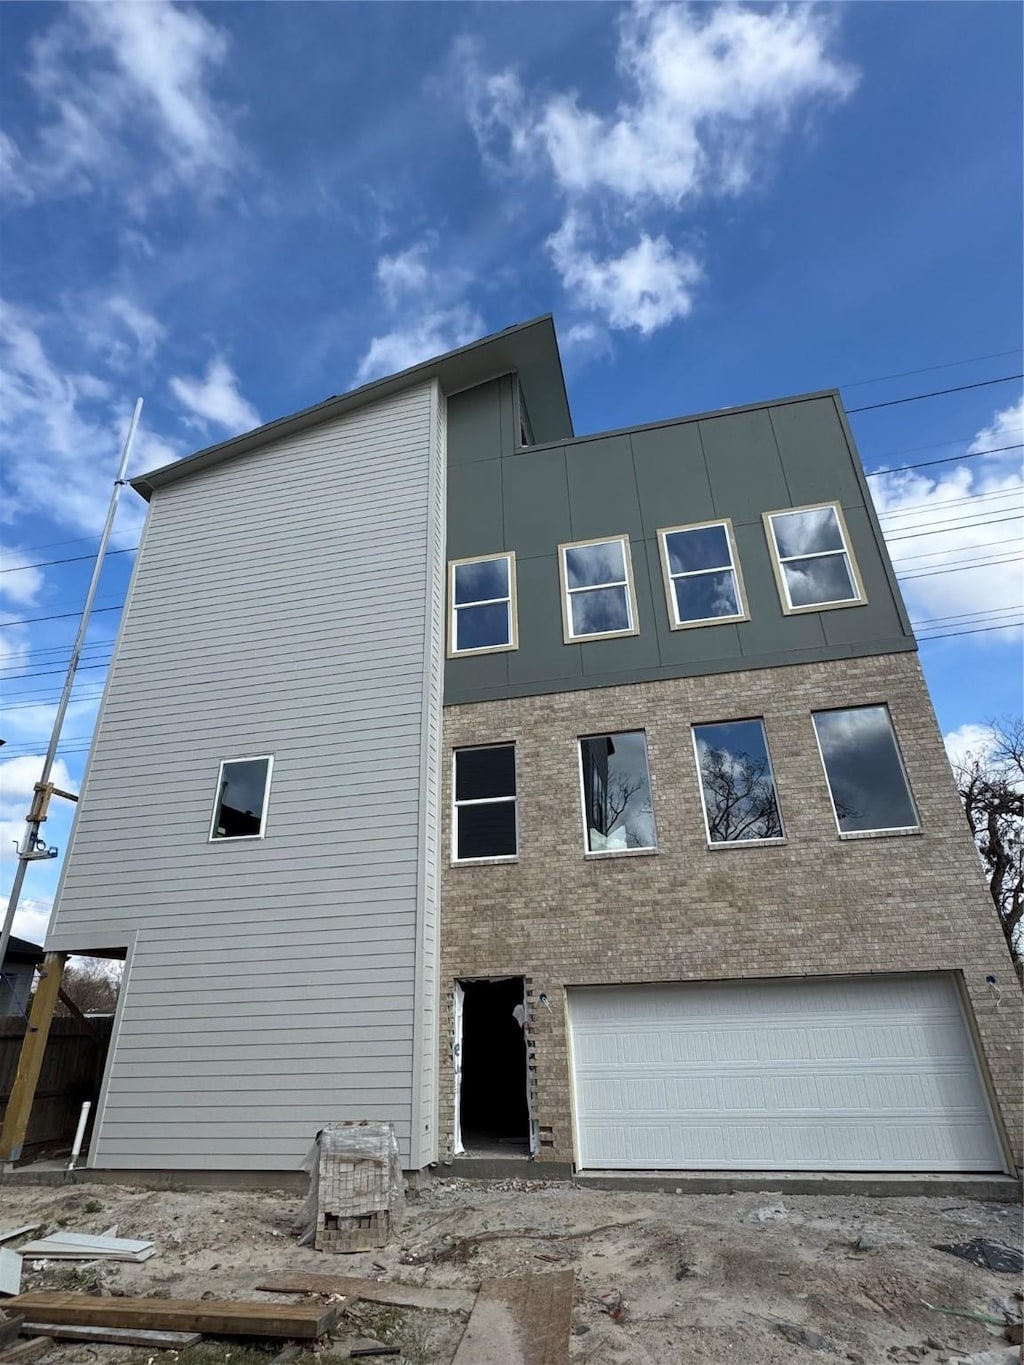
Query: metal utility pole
(32, 849)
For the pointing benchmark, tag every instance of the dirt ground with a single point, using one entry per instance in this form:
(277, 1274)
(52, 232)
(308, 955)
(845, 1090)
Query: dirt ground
(756, 1279)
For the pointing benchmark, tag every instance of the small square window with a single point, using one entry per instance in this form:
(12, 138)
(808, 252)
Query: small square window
(702, 577)
(811, 555)
(482, 605)
(618, 812)
(598, 600)
(484, 803)
(866, 779)
(737, 783)
(243, 785)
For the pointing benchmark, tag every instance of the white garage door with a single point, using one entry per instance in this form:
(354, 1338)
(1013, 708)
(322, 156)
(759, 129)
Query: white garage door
(843, 1074)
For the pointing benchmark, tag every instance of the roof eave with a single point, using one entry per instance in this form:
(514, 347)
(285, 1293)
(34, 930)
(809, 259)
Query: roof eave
(459, 369)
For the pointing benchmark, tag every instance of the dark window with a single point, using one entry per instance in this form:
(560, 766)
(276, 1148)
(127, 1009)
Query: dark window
(485, 803)
(737, 782)
(864, 769)
(617, 807)
(241, 799)
(482, 605)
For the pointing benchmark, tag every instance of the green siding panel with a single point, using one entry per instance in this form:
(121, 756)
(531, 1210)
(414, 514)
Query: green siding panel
(743, 465)
(536, 502)
(602, 489)
(815, 456)
(671, 474)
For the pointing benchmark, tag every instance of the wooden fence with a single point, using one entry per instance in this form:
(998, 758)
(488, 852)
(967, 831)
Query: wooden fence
(72, 1072)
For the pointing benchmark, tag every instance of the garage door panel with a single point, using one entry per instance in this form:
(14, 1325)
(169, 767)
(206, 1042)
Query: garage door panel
(771, 1076)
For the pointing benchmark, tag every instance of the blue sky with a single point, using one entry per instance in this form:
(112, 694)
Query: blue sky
(237, 210)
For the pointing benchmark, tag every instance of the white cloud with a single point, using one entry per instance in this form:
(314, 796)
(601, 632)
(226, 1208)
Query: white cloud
(32, 918)
(19, 585)
(404, 273)
(970, 739)
(124, 91)
(646, 287)
(1005, 430)
(60, 430)
(142, 326)
(706, 92)
(956, 538)
(216, 398)
(431, 334)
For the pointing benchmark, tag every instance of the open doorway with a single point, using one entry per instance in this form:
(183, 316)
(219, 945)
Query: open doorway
(493, 1110)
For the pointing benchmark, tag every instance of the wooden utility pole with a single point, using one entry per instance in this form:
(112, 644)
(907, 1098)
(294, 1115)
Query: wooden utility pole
(23, 1092)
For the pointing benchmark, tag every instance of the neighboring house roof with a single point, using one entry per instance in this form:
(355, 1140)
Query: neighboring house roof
(20, 950)
(530, 349)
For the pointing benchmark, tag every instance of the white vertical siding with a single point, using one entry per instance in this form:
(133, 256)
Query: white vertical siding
(278, 608)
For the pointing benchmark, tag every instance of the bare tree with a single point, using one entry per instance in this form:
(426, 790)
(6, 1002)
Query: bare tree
(91, 985)
(991, 786)
(739, 795)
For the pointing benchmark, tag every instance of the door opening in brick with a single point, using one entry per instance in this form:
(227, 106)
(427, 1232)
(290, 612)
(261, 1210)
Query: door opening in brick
(493, 1109)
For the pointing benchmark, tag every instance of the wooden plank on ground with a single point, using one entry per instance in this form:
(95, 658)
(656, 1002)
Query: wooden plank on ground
(520, 1320)
(373, 1291)
(26, 1350)
(114, 1336)
(214, 1317)
(10, 1329)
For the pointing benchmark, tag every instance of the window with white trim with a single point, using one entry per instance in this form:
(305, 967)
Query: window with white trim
(737, 783)
(618, 812)
(814, 565)
(482, 597)
(239, 811)
(864, 767)
(702, 577)
(598, 600)
(484, 803)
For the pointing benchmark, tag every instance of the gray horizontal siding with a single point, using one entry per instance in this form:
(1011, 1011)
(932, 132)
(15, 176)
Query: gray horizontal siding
(283, 604)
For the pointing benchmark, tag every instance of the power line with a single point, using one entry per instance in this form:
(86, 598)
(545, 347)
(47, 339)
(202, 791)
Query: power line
(46, 672)
(60, 616)
(936, 393)
(965, 616)
(48, 699)
(1016, 489)
(958, 549)
(979, 630)
(930, 445)
(73, 559)
(943, 528)
(928, 369)
(946, 459)
(960, 568)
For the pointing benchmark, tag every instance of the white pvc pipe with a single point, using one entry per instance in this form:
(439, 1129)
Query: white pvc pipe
(83, 1119)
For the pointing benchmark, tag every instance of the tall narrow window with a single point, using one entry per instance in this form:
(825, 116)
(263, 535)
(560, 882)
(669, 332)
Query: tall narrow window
(484, 807)
(737, 782)
(597, 589)
(702, 577)
(239, 811)
(617, 809)
(866, 779)
(482, 596)
(813, 562)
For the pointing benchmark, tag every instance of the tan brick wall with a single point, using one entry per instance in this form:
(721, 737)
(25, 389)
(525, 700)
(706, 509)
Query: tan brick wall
(815, 905)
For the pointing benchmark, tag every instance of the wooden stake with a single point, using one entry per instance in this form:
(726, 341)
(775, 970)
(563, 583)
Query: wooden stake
(30, 1062)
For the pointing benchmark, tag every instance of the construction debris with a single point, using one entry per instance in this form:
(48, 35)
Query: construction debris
(989, 1255)
(520, 1320)
(217, 1317)
(113, 1336)
(25, 1350)
(79, 1246)
(9, 1329)
(10, 1273)
(372, 1291)
(9, 1234)
(356, 1189)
